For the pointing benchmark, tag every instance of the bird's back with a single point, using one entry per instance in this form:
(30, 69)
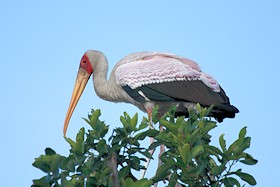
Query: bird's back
(163, 78)
(146, 55)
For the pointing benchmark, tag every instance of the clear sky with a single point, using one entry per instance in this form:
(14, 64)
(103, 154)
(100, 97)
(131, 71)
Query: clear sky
(41, 43)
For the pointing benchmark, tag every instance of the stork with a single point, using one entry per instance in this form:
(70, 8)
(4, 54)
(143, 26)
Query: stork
(147, 79)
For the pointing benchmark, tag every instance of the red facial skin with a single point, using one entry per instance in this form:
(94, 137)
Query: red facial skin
(85, 64)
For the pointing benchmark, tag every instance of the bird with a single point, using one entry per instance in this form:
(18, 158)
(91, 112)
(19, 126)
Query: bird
(149, 79)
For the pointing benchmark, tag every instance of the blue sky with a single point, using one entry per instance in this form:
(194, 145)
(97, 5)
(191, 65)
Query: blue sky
(41, 43)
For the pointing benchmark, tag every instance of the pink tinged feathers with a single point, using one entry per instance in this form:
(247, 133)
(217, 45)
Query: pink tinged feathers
(209, 81)
(159, 68)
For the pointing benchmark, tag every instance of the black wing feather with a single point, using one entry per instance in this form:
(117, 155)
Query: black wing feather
(194, 91)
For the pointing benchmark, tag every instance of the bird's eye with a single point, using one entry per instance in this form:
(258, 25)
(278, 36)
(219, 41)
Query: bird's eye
(84, 61)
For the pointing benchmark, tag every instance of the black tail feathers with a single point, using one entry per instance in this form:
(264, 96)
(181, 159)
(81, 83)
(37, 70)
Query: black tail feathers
(223, 111)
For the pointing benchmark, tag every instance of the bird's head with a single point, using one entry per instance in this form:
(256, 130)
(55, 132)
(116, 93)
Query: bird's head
(87, 65)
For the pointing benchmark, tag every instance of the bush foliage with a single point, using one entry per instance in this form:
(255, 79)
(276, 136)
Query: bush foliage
(189, 158)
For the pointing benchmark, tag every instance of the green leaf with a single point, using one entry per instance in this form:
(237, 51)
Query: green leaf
(115, 140)
(101, 147)
(80, 142)
(197, 150)
(69, 164)
(173, 179)
(71, 142)
(120, 132)
(94, 117)
(249, 160)
(143, 183)
(133, 121)
(246, 177)
(147, 133)
(155, 114)
(124, 172)
(172, 110)
(192, 115)
(124, 122)
(217, 170)
(43, 163)
(86, 120)
(239, 146)
(140, 183)
(154, 145)
(167, 158)
(209, 110)
(213, 150)
(222, 143)
(49, 163)
(143, 125)
(245, 144)
(180, 122)
(141, 136)
(162, 172)
(170, 126)
(203, 112)
(209, 126)
(66, 183)
(212, 162)
(49, 151)
(42, 182)
(234, 148)
(195, 135)
(185, 153)
(146, 154)
(127, 182)
(103, 129)
(151, 133)
(135, 162)
(127, 117)
(231, 182)
(198, 107)
(242, 133)
(56, 162)
(201, 124)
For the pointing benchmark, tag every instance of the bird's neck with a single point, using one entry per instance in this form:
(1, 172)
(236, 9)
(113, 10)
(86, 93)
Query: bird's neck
(105, 89)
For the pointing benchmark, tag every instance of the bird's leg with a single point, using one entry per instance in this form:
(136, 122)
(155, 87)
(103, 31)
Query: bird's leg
(152, 140)
(162, 150)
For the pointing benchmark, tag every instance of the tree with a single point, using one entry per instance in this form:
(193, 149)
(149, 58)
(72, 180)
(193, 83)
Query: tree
(189, 158)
